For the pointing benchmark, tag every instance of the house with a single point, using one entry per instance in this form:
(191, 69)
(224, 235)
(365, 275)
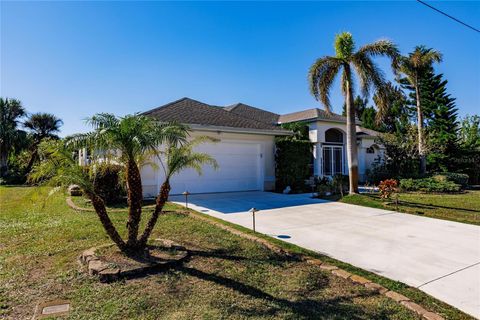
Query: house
(328, 132)
(245, 150)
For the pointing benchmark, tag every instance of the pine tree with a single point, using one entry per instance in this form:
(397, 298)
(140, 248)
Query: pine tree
(441, 121)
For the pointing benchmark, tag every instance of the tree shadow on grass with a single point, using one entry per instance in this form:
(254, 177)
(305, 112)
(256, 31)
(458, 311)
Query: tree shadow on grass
(422, 205)
(433, 206)
(338, 307)
(341, 307)
(274, 259)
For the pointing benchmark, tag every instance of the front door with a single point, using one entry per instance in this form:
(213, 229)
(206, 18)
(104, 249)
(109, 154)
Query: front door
(332, 160)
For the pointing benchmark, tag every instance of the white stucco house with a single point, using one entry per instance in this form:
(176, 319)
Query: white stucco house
(328, 133)
(245, 150)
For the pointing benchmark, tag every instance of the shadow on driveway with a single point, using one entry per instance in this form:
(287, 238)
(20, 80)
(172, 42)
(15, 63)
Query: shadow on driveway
(237, 202)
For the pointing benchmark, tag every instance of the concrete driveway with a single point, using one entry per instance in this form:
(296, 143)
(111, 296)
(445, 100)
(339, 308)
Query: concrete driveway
(439, 257)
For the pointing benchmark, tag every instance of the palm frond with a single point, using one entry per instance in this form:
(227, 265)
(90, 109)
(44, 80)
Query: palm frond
(382, 47)
(102, 120)
(368, 72)
(58, 168)
(321, 77)
(180, 157)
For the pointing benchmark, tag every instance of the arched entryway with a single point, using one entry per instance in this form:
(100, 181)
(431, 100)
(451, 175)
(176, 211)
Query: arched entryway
(333, 154)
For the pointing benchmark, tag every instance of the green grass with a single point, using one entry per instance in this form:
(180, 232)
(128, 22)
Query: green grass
(228, 277)
(463, 207)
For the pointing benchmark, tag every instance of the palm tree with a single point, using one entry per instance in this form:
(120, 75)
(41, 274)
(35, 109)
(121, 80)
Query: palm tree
(134, 136)
(176, 158)
(322, 75)
(131, 136)
(413, 67)
(11, 111)
(41, 126)
(59, 168)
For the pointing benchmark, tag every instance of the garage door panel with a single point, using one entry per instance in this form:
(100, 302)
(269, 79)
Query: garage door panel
(238, 170)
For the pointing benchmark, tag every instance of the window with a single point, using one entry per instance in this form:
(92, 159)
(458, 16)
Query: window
(334, 135)
(332, 160)
(371, 150)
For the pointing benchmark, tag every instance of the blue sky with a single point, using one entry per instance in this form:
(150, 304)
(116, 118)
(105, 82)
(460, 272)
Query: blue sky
(75, 59)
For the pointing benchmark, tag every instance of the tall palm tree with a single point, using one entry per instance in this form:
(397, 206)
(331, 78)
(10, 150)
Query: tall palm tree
(347, 62)
(131, 136)
(41, 126)
(414, 67)
(11, 110)
(176, 158)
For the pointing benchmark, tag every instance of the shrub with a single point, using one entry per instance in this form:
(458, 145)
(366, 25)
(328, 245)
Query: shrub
(387, 188)
(458, 178)
(429, 185)
(292, 159)
(340, 184)
(107, 182)
(323, 185)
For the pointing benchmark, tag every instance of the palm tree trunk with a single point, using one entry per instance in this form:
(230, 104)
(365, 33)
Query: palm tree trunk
(107, 224)
(135, 197)
(421, 138)
(3, 162)
(351, 138)
(33, 157)
(160, 203)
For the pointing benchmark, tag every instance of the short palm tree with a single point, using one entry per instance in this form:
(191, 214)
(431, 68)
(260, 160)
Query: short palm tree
(11, 111)
(59, 168)
(347, 62)
(131, 137)
(413, 67)
(41, 126)
(175, 158)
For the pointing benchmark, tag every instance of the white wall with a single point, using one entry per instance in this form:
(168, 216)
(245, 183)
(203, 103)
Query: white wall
(317, 135)
(151, 179)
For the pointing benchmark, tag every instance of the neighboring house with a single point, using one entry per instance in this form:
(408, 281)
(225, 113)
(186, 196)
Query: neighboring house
(245, 150)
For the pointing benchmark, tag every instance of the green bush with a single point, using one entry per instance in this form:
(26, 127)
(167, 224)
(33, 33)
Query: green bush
(293, 158)
(340, 184)
(458, 178)
(107, 182)
(429, 185)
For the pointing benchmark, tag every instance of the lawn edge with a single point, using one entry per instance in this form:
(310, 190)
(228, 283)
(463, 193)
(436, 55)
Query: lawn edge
(374, 206)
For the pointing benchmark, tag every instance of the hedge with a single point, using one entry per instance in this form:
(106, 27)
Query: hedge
(429, 185)
(107, 182)
(292, 158)
(458, 178)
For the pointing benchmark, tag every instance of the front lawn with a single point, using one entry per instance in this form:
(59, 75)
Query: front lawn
(463, 207)
(227, 276)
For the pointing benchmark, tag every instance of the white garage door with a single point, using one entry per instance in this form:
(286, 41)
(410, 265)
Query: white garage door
(239, 170)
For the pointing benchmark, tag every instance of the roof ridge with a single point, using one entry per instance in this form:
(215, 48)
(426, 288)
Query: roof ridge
(166, 105)
(245, 118)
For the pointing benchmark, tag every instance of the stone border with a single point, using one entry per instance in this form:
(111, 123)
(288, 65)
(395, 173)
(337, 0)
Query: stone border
(107, 273)
(397, 297)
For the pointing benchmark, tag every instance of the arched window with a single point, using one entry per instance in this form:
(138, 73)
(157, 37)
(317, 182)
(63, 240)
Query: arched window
(371, 149)
(334, 135)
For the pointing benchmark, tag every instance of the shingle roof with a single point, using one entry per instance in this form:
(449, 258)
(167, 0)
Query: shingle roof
(190, 111)
(361, 131)
(311, 114)
(253, 113)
